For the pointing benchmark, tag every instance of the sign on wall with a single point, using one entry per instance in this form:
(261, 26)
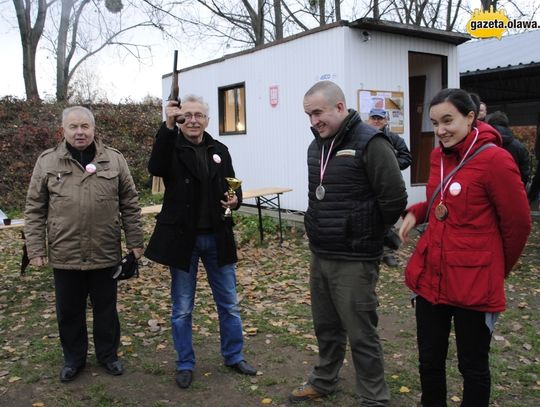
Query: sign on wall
(273, 92)
(392, 102)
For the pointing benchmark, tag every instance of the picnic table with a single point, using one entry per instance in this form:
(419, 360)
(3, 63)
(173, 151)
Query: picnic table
(264, 197)
(269, 197)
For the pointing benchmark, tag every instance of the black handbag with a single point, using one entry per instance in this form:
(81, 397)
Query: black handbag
(127, 268)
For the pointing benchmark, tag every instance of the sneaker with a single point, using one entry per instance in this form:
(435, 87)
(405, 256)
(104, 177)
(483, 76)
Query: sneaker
(305, 393)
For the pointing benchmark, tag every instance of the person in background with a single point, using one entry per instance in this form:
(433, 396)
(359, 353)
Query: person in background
(519, 152)
(534, 189)
(378, 118)
(81, 195)
(474, 237)
(482, 111)
(356, 192)
(192, 226)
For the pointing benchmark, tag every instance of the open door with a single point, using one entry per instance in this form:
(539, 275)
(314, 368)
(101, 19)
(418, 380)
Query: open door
(428, 74)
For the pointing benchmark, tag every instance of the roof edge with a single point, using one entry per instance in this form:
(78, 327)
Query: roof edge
(362, 23)
(341, 23)
(451, 37)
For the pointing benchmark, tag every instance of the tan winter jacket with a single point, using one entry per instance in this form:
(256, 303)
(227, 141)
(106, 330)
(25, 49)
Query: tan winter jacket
(80, 214)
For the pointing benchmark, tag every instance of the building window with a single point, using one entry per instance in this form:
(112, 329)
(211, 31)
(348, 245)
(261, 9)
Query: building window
(232, 109)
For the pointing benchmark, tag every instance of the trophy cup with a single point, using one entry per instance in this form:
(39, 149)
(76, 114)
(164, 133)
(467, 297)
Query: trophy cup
(234, 184)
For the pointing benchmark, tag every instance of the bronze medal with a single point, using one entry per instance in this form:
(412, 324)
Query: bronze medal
(441, 212)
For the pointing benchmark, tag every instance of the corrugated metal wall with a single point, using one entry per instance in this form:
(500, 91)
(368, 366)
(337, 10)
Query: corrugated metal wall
(273, 151)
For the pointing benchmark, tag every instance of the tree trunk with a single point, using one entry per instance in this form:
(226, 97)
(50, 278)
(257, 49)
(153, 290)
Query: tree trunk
(30, 37)
(256, 20)
(337, 6)
(278, 19)
(376, 10)
(486, 4)
(61, 47)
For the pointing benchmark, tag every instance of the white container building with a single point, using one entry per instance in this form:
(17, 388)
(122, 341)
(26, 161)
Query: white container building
(255, 96)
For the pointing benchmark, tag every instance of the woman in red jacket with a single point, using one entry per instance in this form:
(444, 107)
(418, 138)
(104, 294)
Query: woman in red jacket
(479, 221)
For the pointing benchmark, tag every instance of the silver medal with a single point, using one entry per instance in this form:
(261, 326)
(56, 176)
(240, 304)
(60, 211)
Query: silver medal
(319, 192)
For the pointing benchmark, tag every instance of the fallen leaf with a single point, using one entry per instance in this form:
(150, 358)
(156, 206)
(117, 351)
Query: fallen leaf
(14, 379)
(251, 331)
(455, 399)
(404, 389)
(313, 348)
(266, 401)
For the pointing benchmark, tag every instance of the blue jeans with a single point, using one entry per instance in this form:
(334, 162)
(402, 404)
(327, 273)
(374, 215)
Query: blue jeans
(222, 281)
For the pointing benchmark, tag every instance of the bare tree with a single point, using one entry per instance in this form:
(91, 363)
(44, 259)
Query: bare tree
(30, 36)
(278, 19)
(236, 22)
(85, 28)
(76, 30)
(486, 4)
(337, 9)
(319, 7)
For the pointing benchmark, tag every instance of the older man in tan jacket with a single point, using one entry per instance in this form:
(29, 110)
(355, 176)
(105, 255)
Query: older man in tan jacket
(80, 197)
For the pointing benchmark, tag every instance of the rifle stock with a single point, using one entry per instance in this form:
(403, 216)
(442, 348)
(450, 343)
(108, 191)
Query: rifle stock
(175, 89)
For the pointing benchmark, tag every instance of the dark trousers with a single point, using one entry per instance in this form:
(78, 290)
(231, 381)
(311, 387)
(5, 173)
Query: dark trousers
(344, 306)
(72, 288)
(534, 189)
(473, 339)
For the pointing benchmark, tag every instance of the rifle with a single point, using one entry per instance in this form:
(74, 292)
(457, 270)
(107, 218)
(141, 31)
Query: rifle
(175, 89)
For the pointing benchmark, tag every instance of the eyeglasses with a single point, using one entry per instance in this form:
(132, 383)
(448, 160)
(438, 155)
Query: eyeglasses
(198, 116)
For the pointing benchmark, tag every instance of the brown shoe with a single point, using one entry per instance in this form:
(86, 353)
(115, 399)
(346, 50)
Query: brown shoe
(305, 393)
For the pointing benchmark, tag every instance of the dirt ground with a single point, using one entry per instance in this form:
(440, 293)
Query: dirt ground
(279, 339)
(214, 384)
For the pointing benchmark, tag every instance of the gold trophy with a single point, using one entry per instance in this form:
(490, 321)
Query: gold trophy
(234, 184)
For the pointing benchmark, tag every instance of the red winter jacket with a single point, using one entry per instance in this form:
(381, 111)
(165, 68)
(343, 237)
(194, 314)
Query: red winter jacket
(463, 260)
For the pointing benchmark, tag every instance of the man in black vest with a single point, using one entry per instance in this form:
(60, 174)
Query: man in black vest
(356, 192)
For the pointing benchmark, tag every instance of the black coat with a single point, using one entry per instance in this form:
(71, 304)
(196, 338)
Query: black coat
(401, 150)
(518, 151)
(174, 159)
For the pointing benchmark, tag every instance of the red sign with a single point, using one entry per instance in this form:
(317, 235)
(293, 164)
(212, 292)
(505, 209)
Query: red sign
(274, 95)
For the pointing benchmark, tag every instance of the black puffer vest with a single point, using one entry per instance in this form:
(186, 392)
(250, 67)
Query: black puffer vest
(346, 223)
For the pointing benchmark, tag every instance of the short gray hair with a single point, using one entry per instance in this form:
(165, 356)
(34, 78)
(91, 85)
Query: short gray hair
(197, 99)
(82, 109)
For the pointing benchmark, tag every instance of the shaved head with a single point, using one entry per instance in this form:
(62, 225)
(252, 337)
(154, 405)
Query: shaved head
(325, 105)
(331, 92)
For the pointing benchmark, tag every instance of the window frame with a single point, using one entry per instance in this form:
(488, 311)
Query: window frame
(222, 108)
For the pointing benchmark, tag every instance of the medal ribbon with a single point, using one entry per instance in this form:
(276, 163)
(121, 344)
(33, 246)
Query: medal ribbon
(443, 188)
(324, 162)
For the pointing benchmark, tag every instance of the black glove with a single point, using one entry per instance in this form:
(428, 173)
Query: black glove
(128, 267)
